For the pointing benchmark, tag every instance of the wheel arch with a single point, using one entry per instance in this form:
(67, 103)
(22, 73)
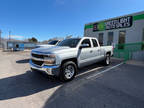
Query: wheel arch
(109, 52)
(70, 59)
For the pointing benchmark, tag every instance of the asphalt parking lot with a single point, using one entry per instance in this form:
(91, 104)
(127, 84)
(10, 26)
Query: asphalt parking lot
(95, 86)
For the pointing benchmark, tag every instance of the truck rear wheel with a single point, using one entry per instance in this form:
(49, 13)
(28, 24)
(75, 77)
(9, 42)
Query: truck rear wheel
(68, 71)
(107, 59)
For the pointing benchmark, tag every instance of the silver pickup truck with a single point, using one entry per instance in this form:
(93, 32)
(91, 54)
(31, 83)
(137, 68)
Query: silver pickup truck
(68, 56)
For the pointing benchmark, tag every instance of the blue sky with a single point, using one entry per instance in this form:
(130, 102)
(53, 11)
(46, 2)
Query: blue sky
(46, 19)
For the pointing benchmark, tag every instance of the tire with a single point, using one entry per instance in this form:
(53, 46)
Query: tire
(107, 60)
(68, 71)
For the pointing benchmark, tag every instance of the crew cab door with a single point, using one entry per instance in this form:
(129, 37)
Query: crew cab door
(96, 51)
(85, 56)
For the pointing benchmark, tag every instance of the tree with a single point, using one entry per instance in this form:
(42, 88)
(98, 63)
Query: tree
(33, 39)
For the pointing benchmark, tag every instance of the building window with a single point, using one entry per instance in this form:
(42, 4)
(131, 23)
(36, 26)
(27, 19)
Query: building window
(100, 38)
(110, 38)
(122, 35)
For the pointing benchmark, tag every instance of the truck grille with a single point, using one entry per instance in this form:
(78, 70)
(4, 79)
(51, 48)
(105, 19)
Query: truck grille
(37, 56)
(39, 63)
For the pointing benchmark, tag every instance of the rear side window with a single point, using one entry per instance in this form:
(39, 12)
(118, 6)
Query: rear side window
(94, 43)
(86, 41)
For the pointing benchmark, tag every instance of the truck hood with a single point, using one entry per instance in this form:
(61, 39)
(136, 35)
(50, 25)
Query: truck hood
(45, 45)
(49, 50)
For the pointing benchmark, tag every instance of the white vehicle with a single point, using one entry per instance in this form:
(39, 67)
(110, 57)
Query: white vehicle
(50, 44)
(64, 59)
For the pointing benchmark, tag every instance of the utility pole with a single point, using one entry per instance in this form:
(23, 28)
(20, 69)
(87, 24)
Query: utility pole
(9, 35)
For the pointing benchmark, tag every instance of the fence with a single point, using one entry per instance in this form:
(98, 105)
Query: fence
(125, 51)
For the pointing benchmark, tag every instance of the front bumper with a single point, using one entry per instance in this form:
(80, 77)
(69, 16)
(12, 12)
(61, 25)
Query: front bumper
(50, 70)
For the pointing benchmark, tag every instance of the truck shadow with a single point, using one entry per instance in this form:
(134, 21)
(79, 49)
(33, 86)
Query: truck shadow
(25, 84)
(29, 83)
(22, 61)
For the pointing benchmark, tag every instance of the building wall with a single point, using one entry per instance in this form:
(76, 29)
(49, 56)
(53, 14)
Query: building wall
(133, 33)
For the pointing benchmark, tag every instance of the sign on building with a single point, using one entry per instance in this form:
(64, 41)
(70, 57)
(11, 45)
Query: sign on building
(123, 22)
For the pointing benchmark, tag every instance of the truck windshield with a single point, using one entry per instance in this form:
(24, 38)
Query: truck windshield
(53, 42)
(69, 42)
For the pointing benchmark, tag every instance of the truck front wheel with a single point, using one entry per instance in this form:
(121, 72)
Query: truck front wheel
(68, 71)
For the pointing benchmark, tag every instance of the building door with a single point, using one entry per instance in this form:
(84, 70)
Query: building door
(110, 38)
(121, 41)
(100, 38)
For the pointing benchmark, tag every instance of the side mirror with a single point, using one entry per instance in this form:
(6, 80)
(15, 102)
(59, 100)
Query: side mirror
(84, 46)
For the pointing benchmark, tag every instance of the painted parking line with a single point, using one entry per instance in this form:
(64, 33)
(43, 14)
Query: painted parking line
(83, 73)
(100, 73)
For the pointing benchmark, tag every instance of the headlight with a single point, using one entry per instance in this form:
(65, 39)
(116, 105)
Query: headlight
(50, 59)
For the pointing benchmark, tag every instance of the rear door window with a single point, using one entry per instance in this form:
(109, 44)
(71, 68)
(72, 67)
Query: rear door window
(94, 43)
